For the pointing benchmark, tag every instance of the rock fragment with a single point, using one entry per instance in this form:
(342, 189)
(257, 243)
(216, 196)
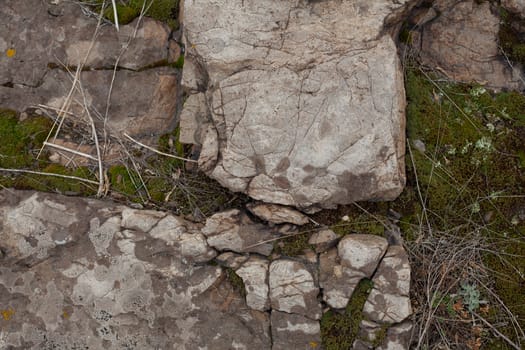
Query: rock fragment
(292, 331)
(304, 112)
(278, 214)
(235, 231)
(293, 290)
(389, 300)
(254, 274)
(356, 257)
(323, 240)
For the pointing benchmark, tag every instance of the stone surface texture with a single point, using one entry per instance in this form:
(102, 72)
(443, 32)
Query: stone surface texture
(462, 42)
(254, 274)
(234, 230)
(323, 240)
(294, 332)
(77, 273)
(293, 290)
(340, 270)
(389, 300)
(61, 37)
(296, 102)
(277, 214)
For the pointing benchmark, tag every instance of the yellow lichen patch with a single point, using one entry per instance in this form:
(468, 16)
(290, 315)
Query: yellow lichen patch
(7, 314)
(65, 315)
(314, 344)
(10, 52)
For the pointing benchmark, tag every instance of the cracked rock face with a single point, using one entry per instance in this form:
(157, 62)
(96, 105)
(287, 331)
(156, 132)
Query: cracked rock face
(293, 290)
(389, 300)
(296, 102)
(356, 257)
(143, 99)
(79, 273)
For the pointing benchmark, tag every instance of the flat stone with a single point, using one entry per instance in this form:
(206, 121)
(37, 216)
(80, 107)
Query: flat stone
(104, 286)
(142, 220)
(463, 42)
(398, 337)
(362, 253)
(293, 290)
(323, 240)
(303, 111)
(186, 240)
(389, 300)
(278, 214)
(235, 231)
(291, 331)
(144, 89)
(340, 270)
(231, 260)
(254, 274)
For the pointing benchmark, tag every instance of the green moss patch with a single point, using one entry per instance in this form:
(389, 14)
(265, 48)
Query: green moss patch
(21, 142)
(339, 330)
(166, 11)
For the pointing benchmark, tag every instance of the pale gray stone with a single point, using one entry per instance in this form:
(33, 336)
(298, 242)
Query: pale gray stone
(231, 260)
(254, 274)
(185, 239)
(398, 337)
(235, 231)
(323, 240)
(293, 290)
(291, 331)
(362, 253)
(277, 214)
(389, 300)
(340, 270)
(105, 286)
(305, 112)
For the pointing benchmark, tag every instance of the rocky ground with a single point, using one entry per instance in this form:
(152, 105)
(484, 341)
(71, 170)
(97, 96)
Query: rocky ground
(326, 228)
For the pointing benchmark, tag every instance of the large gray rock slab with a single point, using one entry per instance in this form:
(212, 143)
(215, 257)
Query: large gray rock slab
(463, 43)
(79, 273)
(140, 98)
(296, 102)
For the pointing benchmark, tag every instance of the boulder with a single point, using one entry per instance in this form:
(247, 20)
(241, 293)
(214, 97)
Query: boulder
(126, 74)
(296, 103)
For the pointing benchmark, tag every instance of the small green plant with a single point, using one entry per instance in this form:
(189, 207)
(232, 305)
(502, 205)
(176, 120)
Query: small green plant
(470, 295)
